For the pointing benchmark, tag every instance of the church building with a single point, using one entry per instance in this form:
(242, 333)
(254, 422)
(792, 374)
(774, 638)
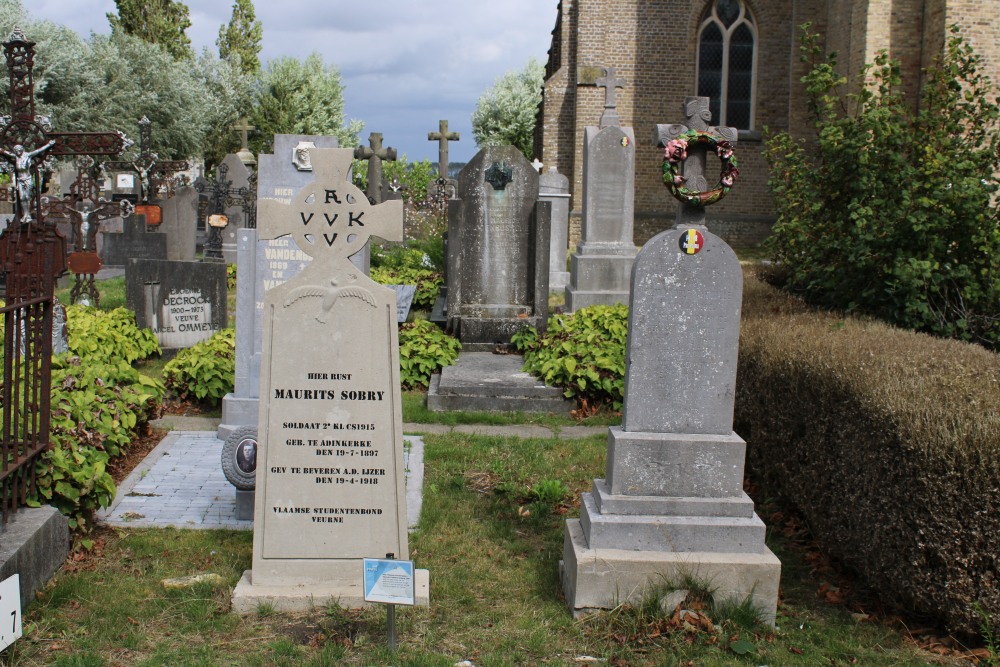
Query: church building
(744, 55)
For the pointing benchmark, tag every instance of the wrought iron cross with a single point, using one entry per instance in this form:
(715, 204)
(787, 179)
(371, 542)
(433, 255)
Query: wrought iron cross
(610, 83)
(26, 140)
(442, 136)
(697, 113)
(152, 171)
(375, 154)
(220, 191)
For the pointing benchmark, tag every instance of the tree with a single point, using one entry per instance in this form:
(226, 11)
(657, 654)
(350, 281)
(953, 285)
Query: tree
(301, 98)
(240, 40)
(162, 22)
(890, 212)
(506, 113)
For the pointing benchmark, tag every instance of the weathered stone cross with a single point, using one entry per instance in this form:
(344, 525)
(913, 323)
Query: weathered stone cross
(244, 154)
(152, 171)
(375, 154)
(697, 113)
(442, 136)
(610, 83)
(26, 140)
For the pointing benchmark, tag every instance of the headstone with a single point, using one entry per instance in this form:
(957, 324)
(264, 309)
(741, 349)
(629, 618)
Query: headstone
(602, 264)
(498, 250)
(330, 478)
(671, 507)
(183, 303)
(264, 264)
(553, 187)
(404, 300)
(136, 241)
(239, 176)
(180, 224)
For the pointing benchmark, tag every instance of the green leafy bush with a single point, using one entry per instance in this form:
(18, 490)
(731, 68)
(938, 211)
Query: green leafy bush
(891, 212)
(428, 283)
(424, 349)
(231, 276)
(96, 335)
(584, 353)
(205, 371)
(98, 402)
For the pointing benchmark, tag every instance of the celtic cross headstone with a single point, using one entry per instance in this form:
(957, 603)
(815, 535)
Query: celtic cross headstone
(329, 486)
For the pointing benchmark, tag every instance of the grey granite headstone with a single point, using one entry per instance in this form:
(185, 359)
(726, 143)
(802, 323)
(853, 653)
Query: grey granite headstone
(135, 242)
(180, 224)
(263, 264)
(553, 187)
(498, 250)
(672, 506)
(404, 300)
(183, 303)
(329, 480)
(601, 266)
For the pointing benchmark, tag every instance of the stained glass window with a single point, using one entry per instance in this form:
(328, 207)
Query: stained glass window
(727, 62)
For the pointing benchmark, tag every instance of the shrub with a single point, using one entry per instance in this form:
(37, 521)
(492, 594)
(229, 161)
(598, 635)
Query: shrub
(584, 353)
(205, 371)
(887, 441)
(98, 402)
(428, 283)
(892, 212)
(423, 350)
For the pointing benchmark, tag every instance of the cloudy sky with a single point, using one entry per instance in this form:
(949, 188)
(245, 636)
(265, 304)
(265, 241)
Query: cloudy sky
(405, 63)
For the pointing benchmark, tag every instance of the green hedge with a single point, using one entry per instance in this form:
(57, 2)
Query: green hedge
(888, 443)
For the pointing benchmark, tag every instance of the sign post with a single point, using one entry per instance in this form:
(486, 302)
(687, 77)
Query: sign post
(390, 582)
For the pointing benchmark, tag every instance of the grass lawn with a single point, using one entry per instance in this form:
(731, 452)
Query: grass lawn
(493, 550)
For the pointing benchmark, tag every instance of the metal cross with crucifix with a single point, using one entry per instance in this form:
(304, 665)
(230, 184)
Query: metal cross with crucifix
(221, 191)
(153, 172)
(26, 140)
(375, 153)
(697, 113)
(611, 83)
(85, 192)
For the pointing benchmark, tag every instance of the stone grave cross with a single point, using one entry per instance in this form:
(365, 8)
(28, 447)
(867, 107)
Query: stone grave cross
(697, 112)
(442, 136)
(244, 154)
(610, 83)
(152, 171)
(375, 153)
(26, 140)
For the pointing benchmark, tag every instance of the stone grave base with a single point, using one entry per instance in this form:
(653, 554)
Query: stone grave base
(484, 381)
(247, 597)
(34, 544)
(484, 334)
(237, 411)
(604, 578)
(599, 279)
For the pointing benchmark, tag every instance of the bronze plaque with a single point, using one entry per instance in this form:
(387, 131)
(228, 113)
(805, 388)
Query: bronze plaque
(84, 262)
(152, 213)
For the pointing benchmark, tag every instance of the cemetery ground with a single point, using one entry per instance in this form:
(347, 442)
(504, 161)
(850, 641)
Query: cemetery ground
(491, 534)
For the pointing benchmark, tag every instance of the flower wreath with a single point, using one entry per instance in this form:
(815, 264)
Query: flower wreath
(676, 153)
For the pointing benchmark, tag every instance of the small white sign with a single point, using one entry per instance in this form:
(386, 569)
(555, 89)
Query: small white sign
(10, 611)
(126, 181)
(389, 581)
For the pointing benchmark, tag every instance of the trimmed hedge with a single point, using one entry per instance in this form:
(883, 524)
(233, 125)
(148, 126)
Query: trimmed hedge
(888, 443)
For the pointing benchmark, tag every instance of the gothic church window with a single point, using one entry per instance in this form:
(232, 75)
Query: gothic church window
(727, 59)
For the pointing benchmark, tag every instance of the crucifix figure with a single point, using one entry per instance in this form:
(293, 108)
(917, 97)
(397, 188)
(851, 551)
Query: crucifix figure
(442, 136)
(152, 171)
(24, 138)
(610, 83)
(375, 154)
(697, 113)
